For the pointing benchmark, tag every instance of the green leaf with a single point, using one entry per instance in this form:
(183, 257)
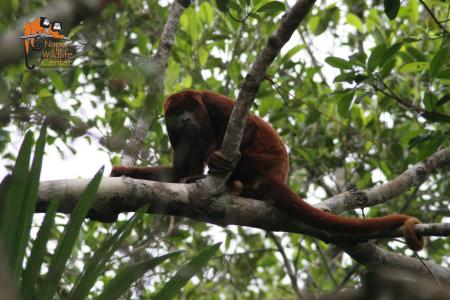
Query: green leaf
(206, 13)
(69, 237)
(376, 57)
(429, 101)
(312, 117)
(23, 224)
(96, 264)
(57, 81)
(345, 77)
(350, 77)
(142, 40)
(13, 204)
(354, 20)
(190, 23)
(176, 283)
(34, 263)
(338, 62)
(316, 26)
(444, 74)
(391, 8)
(345, 104)
(120, 44)
(272, 7)
(433, 117)
(416, 54)
(387, 68)
(203, 54)
(233, 5)
(390, 52)
(429, 147)
(128, 275)
(438, 61)
(414, 67)
(444, 99)
(397, 152)
(5, 185)
(44, 93)
(358, 58)
(294, 50)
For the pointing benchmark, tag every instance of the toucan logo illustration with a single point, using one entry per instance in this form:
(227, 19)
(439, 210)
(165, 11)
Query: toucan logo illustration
(35, 31)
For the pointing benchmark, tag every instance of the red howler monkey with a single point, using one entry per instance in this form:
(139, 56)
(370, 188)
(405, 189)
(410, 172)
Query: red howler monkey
(196, 123)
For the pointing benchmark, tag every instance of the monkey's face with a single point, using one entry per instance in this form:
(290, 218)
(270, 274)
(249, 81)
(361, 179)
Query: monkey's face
(56, 26)
(187, 120)
(184, 120)
(45, 23)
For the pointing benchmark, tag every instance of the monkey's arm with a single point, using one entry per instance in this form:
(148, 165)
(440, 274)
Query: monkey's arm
(164, 174)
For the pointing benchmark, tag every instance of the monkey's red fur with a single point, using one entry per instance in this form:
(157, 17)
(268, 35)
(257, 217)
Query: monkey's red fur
(262, 169)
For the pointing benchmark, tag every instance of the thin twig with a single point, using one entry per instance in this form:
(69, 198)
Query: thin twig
(287, 264)
(430, 12)
(429, 270)
(311, 55)
(325, 263)
(390, 93)
(279, 88)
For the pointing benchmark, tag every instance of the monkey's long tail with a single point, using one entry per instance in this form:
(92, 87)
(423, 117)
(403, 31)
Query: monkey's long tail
(294, 206)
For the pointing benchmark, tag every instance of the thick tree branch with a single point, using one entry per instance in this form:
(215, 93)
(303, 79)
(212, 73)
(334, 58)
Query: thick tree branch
(69, 12)
(412, 177)
(117, 195)
(124, 194)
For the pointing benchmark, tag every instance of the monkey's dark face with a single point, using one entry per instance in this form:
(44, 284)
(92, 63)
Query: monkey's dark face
(56, 26)
(187, 120)
(184, 120)
(45, 23)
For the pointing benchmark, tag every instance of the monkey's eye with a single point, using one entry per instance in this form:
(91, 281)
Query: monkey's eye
(191, 107)
(171, 120)
(175, 111)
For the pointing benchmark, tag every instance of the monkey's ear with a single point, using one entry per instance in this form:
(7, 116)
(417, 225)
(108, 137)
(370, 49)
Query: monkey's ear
(217, 105)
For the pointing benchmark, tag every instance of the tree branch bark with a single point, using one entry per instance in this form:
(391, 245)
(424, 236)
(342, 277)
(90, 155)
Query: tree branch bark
(122, 194)
(116, 195)
(412, 177)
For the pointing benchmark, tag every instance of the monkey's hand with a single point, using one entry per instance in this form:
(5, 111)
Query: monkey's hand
(218, 163)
